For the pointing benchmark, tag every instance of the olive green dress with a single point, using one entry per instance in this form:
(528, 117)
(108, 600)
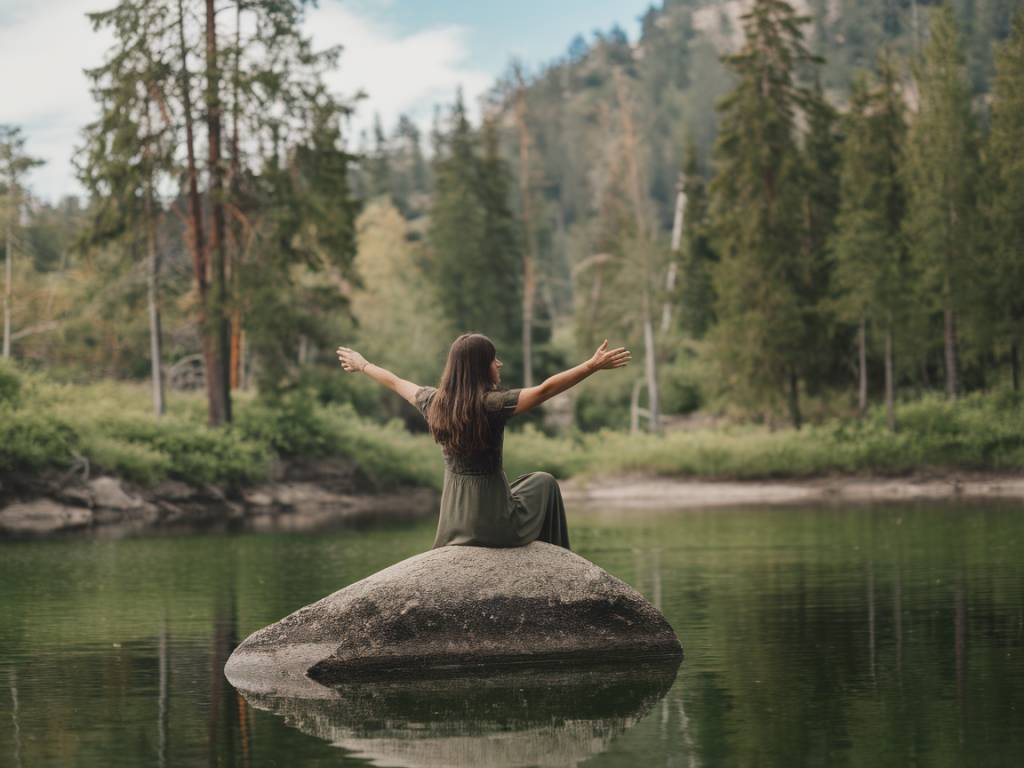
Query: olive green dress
(478, 505)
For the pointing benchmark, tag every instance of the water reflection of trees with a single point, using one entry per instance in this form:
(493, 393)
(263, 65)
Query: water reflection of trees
(833, 636)
(114, 653)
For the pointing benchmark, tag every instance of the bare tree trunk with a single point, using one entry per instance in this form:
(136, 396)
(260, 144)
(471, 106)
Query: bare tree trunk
(634, 407)
(197, 241)
(890, 412)
(153, 293)
(530, 254)
(949, 328)
(155, 345)
(243, 360)
(8, 284)
(650, 361)
(650, 370)
(1015, 364)
(673, 265)
(220, 323)
(862, 367)
(153, 282)
(794, 399)
(234, 184)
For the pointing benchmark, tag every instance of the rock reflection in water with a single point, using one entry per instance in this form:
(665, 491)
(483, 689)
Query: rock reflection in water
(522, 718)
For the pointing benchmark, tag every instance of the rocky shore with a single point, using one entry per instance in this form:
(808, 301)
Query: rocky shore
(302, 495)
(309, 495)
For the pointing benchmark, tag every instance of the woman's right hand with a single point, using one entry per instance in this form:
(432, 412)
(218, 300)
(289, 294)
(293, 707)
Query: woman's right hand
(350, 359)
(609, 358)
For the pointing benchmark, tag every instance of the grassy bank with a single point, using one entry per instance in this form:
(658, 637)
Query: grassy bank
(977, 433)
(44, 425)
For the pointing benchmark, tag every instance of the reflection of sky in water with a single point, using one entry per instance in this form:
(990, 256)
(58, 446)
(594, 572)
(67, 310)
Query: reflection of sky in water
(887, 635)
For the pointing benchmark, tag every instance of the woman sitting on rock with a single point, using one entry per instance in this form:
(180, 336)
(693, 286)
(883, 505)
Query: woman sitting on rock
(467, 416)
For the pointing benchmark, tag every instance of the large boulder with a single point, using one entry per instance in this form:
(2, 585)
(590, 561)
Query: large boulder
(454, 609)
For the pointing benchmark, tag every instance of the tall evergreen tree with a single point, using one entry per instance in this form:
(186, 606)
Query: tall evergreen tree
(813, 276)
(258, 88)
(1005, 162)
(303, 250)
(941, 171)
(868, 244)
(14, 164)
(474, 237)
(128, 154)
(698, 294)
(757, 206)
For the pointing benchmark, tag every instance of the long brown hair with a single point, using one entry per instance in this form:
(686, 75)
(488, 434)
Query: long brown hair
(457, 418)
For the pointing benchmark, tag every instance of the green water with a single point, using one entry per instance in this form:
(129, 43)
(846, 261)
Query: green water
(874, 636)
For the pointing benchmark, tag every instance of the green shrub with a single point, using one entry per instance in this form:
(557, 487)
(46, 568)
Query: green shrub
(289, 425)
(197, 453)
(529, 450)
(387, 455)
(31, 440)
(134, 461)
(10, 384)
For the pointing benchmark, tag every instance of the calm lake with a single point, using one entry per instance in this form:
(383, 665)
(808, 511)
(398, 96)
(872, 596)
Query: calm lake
(863, 636)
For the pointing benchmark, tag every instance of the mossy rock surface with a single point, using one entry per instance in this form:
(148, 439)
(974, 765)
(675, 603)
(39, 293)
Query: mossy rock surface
(452, 610)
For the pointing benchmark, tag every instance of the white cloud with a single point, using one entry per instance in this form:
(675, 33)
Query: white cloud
(44, 47)
(400, 73)
(45, 44)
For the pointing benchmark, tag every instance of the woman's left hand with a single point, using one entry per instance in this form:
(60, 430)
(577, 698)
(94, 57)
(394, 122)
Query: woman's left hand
(351, 360)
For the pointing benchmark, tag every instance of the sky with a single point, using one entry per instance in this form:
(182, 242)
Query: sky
(407, 55)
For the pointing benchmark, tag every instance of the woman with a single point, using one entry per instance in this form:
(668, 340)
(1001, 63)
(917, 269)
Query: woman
(467, 416)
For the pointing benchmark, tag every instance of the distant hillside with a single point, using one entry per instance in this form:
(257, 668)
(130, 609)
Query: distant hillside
(675, 78)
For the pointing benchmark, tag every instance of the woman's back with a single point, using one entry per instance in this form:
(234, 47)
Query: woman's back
(499, 406)
(478, 504)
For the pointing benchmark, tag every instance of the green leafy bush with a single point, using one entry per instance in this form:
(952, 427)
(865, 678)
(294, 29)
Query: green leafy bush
(32, 440)
(10, 384)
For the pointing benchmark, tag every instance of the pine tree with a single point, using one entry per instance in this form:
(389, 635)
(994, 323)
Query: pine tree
(1005, 162)
(14, 164)
(698, 294)
(820, 164)
(299, 267)
(868, 244)
(258, 89)
(474, 237)
(941, 171)
(758, 210)
(502, 245)
(127, 153)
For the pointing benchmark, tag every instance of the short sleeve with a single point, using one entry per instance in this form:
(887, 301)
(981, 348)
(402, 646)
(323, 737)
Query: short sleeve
(424, 396)
(502, 401)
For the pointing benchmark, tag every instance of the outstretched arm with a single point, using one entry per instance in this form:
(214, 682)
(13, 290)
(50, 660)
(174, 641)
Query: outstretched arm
(603, 358)
(352, 361)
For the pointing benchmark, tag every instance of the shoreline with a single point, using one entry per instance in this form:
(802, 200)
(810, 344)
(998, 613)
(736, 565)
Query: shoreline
(638, 490)
(303, 496)
(109, 506)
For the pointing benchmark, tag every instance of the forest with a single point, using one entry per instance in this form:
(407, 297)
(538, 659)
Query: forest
(805, 219)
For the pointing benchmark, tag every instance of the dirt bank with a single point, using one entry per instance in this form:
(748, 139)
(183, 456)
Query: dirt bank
(638, 490)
